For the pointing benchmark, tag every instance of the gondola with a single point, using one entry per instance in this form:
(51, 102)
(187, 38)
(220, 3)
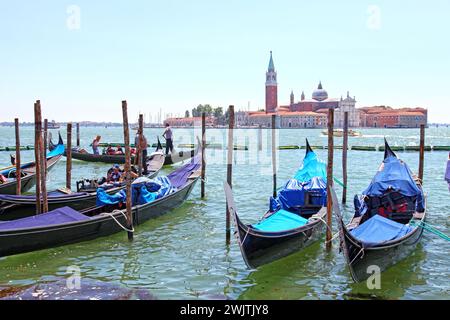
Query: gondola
(66, 225)
(294, 221)
(172, 158)
(386, 225)
(20, 206)
(28, 172)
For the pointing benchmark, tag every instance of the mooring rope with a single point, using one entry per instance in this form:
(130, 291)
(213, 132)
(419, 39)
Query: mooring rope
(328, 227)
(428, 227)
(114, 218)
(339, 182)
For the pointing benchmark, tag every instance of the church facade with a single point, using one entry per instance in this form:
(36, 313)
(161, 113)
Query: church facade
(305, 113)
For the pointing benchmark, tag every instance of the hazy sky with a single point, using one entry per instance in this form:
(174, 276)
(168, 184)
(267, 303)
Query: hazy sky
(82, 58)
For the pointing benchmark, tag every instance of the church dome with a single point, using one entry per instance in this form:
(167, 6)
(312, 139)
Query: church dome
(320, 94)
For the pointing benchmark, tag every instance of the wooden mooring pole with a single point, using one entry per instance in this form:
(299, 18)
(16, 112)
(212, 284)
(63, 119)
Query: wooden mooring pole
(229, 166)
(421, 152)
(139, 150)
(126, 136)
(203, 154)
(45, 146)
(344, 157)
(37, 155)
(260, 138)
(43, 160)
(69, 156)
(274, 157)
(330, 177)
(18, 171)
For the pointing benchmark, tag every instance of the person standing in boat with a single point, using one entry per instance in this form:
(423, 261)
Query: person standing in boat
(168, 135)
(447, 172)
(95, 145)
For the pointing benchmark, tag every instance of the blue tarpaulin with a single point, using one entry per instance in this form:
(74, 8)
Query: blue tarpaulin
(378, 230)
(280, 221)
(292, 195)
(57, 216)
(311, 167)
(393, 174)
(310, 178)
(141, 193)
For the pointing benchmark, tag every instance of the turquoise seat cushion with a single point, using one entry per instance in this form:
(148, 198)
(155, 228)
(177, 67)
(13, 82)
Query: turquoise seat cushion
(280, 221)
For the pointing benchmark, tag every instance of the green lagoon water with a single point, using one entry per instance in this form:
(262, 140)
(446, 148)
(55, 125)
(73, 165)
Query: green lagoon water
(183, 255)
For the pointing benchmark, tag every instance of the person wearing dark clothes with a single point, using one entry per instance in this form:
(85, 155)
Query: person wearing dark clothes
(168, 135)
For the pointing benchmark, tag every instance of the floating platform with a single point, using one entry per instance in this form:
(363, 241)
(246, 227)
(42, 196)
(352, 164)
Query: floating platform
(288, 147)
(14, 148)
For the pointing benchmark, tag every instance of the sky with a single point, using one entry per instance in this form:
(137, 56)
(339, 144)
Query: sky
(82, 58)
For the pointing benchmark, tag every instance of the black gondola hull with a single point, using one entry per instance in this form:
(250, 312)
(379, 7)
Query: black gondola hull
(12, 211)
(361, 260)
(27, 182)
(21, 241)
(259, 248)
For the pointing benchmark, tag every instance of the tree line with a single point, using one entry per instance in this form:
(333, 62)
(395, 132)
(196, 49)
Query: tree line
(217, 113)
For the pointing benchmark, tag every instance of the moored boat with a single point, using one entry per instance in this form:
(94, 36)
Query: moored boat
(340, 133)
(83, 155)
(20, 206)
(385, 227)
(66, 225)
(28, 172)
(295, 218)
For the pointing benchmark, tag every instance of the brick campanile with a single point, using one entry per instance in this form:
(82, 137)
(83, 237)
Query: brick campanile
(271, 87)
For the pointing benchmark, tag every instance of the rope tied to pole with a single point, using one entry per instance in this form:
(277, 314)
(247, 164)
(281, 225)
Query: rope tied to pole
(117, 221)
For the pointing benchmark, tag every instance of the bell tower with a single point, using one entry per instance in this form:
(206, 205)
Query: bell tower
(271, 87)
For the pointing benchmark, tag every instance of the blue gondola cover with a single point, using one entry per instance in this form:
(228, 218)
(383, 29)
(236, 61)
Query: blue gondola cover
(378, 230)
(141, 193)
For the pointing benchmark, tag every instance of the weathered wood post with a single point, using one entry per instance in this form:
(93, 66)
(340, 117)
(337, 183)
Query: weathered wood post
(126, 136)
(18, 171)
(229, 165)
(260, 138)
(274, 157)
(78, 134)
(37, 155)
(421, 153)
(69, 156)
(203, 154)
(344, 157)
(43, 160)
(45, 146)
(139, 150)
(329, 177)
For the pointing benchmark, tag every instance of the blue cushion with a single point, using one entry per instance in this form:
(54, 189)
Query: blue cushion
(280, 221)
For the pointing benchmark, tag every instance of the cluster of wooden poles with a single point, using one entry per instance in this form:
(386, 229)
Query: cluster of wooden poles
(40, 152)
(330, 127)
(41, 172)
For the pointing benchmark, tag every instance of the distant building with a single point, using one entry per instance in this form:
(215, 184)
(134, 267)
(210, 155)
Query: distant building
(306, 113)
(271, 87)
(387, 117)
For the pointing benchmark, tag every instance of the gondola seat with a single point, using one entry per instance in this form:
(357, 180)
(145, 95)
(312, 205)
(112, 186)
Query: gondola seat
(280, 220)
(378, 230)
(54, 217)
